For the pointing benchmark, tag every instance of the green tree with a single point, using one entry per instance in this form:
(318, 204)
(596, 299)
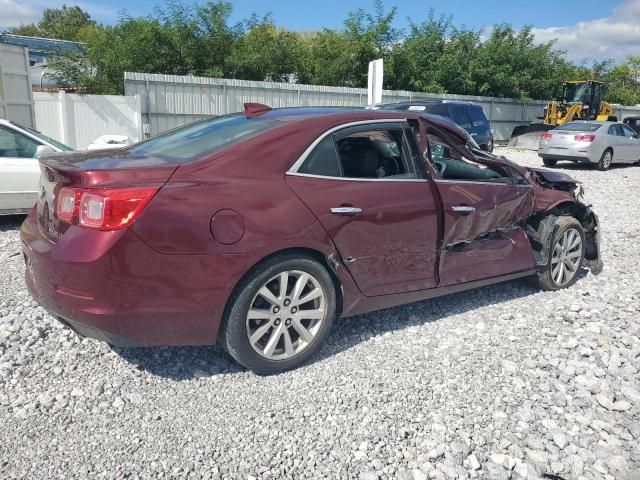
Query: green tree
(60, 23)
(266, 52)
(416, 62)
(433, 55)
(341, 57)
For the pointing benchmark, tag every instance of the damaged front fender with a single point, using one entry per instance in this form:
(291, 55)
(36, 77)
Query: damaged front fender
(556, 195)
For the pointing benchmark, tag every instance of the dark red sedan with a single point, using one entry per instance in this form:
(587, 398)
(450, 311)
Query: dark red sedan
(258, 229)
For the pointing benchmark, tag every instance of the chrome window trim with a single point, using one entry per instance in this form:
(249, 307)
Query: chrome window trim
(348, 179)
(478, 182)
(298, 163)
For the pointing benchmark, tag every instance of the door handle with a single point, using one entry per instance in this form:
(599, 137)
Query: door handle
(346, 210)
(464, 209)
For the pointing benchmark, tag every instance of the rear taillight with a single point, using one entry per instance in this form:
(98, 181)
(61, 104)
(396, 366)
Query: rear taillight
(585, 138)
(102, 209)
(546, 136)
(68, 201)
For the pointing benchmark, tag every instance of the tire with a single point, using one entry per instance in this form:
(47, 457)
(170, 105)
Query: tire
(491, 144)
(278, 345)
(552, 275)
(605, 160)
(549, 162)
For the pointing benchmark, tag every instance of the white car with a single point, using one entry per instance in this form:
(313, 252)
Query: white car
(599, 143)
(20, 149)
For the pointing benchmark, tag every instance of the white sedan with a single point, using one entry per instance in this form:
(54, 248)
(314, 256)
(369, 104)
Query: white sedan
(20, 148)
(599, 143)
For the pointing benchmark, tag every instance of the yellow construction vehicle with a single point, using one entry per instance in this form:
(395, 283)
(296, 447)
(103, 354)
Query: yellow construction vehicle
(581, 100)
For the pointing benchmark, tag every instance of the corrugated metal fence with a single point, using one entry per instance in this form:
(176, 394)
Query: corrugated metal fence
(171, 100)
(16, 102)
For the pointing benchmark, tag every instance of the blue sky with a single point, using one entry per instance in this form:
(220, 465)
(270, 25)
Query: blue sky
(310, 15)
(585, 28)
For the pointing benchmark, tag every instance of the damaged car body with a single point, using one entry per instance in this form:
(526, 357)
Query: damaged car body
(257, 229)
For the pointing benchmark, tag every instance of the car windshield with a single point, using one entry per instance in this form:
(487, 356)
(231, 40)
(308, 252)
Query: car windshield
(580, 127)
(577, 93)
(204, 137)
(43, 137)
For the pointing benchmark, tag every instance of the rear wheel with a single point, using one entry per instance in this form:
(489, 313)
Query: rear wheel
(565, 255)
(549, 162)
(605, 160)
(280, 315)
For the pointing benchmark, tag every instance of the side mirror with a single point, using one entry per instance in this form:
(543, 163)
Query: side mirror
(43, 151)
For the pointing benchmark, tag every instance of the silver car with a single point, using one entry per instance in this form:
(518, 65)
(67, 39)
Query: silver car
(20, 148)
(600, 143)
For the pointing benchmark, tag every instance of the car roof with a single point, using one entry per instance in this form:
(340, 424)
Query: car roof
(325, 118)
(348, 114)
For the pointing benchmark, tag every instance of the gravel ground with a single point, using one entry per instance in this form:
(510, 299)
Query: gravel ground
(502, 382)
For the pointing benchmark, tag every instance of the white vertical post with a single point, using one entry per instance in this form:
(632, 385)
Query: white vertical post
(138, 118)
(66, 120)
(374, 91)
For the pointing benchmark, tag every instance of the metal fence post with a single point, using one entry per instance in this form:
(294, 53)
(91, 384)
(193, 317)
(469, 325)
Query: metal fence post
(226, 99)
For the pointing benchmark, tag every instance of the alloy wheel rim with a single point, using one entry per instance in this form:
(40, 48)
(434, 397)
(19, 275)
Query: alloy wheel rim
(286, 315)
(607, 160)
(566, 257)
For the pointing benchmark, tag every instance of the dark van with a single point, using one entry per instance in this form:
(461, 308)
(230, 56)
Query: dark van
(468, 115)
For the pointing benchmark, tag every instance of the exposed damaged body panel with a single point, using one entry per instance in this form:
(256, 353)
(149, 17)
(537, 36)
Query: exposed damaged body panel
(493, 226)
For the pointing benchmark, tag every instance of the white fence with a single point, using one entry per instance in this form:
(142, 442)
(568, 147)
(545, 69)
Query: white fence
(171, 100)
(15, 89)
(77, 120)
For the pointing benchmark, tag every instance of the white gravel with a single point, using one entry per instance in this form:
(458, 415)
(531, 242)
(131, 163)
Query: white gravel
(502, 382)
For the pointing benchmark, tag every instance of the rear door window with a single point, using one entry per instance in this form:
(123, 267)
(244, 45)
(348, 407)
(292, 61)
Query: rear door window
(380, 153)
(323, 160)
(16, 145)
(476, 115)
(459, 115)
(616, 130)
(628, 131)
(441, 109)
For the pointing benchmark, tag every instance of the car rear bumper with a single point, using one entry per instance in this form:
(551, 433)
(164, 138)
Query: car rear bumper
(577, 153)
(571, 158)
(112, 286)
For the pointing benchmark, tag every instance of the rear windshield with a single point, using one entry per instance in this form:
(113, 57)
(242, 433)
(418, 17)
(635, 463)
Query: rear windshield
(202, 138)
(580, 127)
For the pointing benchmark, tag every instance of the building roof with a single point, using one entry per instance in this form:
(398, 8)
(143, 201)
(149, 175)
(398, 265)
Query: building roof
(41, 48)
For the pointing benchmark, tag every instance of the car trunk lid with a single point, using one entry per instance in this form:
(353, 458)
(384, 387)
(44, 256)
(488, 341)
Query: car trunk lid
(566, 138)
(92, 170)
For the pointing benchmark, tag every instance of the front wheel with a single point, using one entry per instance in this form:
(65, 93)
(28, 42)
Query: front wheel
(565, 255)
(549, 162)
(605, 160)
(280, 314)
